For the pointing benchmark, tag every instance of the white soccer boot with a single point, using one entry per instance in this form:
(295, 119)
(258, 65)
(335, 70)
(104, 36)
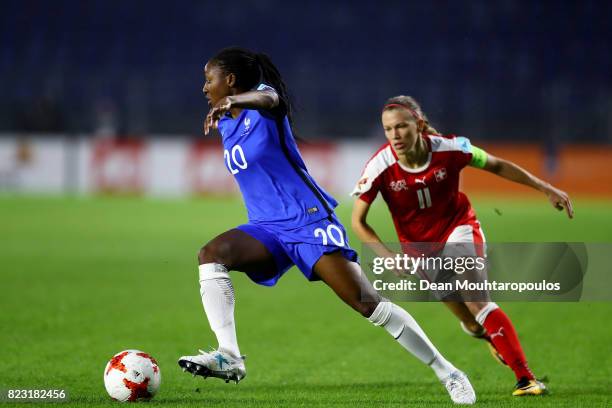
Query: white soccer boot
(459, 388)
(214, 364)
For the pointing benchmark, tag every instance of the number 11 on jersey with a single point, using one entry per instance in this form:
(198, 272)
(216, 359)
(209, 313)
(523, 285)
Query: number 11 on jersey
(424, 198)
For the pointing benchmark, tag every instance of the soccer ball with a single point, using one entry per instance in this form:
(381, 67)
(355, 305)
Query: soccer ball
(132, 375)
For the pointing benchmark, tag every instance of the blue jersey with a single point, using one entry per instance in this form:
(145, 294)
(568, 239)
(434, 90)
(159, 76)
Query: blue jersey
(261, 153)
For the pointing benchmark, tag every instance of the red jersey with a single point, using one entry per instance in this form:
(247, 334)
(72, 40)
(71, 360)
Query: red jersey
(425, 203)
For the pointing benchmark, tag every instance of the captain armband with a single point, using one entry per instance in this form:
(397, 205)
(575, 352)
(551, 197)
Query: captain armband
(479, 157)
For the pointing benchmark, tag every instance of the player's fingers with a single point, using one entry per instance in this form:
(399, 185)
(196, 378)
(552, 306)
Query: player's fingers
(224, 107)
(207, 124)
(217, 113)
(215, 119)
(213, 113)
(211, 122)
(557, 201)
(569, 208)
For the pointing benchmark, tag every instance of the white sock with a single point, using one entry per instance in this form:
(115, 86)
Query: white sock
(484, 312)
(402, 326)
(218, 299)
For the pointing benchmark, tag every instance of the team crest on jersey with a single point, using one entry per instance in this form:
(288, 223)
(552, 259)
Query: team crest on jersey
(440, 174)
(398, 185)
(247, 126)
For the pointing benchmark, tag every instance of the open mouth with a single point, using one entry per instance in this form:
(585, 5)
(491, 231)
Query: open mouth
(398, 146)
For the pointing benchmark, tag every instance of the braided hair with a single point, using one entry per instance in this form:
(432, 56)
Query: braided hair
(251, 69)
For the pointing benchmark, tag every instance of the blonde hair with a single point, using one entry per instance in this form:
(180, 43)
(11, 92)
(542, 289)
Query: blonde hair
(413, 106)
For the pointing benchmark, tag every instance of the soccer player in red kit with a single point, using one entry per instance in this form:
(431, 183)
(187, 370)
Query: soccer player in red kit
(417, 174)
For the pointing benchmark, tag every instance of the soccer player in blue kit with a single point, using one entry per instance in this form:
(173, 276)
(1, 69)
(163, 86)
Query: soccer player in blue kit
(291, 222)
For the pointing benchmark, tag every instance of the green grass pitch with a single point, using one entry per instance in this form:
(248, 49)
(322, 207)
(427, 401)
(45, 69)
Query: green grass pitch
(83, 278)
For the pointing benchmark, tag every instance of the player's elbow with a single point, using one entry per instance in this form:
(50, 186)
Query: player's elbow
(358, 218)
(269, 99)
(358, 224)
(355, 224)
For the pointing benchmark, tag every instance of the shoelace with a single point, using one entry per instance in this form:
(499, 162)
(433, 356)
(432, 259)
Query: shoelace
(214, 350)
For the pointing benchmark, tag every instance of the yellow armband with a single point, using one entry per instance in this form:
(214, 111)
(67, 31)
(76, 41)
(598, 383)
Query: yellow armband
(479, 157)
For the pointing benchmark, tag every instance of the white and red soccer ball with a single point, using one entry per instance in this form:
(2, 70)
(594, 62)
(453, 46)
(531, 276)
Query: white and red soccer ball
(132, 375)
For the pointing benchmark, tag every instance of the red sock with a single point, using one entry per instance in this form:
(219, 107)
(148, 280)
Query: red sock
(504, 338)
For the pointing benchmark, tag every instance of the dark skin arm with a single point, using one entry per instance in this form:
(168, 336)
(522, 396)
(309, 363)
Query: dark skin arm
(256, 100)
(510, 171)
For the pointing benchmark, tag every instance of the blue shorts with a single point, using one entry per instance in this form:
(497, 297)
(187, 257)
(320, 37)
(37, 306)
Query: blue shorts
(302, 246)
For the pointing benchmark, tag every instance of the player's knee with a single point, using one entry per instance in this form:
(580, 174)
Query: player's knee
(204, 255)
(215, 252)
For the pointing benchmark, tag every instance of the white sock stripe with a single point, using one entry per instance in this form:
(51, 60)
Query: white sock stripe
(381, 314)
(225, 284)
(482, 315)
(436, 359)
(397, 336)
(213, 271)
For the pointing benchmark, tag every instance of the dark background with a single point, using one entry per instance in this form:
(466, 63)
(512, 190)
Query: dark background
(502, 70)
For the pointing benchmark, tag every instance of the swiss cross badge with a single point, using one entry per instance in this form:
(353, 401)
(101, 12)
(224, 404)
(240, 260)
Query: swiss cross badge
(398, 185)
(440, 174)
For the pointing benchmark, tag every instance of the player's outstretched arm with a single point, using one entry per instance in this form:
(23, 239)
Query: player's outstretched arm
(511, 171)
(264, 99)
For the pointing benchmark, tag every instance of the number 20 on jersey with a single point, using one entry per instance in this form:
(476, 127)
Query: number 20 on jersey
(235, 160)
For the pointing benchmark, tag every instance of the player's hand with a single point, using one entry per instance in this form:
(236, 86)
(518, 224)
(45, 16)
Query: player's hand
(213, 116)
(560, 200)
